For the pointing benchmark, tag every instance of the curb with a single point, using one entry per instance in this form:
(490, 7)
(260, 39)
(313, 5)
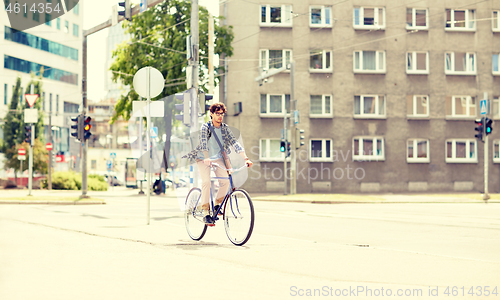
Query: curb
(54, 202)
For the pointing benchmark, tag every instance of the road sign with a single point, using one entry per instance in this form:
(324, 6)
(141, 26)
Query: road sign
(484, 107)
(21, 157)
(48, 146)
(21, 151)
(31, 115)
(154, 132)
(108, 165)
(112, 155)
(148, 81)
(144, 5)
(31, 98)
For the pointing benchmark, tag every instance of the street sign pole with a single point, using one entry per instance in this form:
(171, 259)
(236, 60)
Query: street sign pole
(30, 179)
(486, 195)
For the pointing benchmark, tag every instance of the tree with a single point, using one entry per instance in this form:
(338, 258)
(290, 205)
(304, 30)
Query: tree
(12, 128)
(40, 157)
(158, 39)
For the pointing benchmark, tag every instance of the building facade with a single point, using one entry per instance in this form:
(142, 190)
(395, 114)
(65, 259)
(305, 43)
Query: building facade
(56, 44)
(387, 92)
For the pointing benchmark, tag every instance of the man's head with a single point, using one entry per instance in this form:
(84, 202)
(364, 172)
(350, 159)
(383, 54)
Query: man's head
(217, 111)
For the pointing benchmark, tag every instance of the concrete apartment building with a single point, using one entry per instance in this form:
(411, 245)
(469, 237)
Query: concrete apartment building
(56, 45)
(387, 90)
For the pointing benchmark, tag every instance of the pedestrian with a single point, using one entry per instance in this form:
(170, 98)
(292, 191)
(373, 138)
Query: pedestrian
(213, 135)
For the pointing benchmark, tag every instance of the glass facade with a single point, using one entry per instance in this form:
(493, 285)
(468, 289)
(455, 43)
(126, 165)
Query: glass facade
(27, 39)
(25, 66)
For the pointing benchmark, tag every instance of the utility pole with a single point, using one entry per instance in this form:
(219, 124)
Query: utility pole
(486, 196)
(194, 64)
(30, 179)
(134, 11)
(293, 157)
(50, 141)
(211, 84)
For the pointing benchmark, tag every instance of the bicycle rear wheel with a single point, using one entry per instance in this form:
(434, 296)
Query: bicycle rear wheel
(195, 226)
(239, 217)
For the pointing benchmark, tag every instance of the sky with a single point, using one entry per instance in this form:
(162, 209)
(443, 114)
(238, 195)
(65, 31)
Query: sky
(96, 43)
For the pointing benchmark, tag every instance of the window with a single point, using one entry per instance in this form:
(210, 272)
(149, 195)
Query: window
(270, 150)
(66, 27)
(369, 18)
(321, 16)
(495, 107)
(36, 16)
(368, 149)
(495, 21)
(417, 105)
(276, 15)
(369, 106)
(320, 61)
(93, 164)
(57, 104)
(321, 106)
(460, 63)
(76, 8)
(51, 107)
(5, 93)
(320, 150)
(274, 59)
(417, 151)
(495, 68)
(496, 151)
(58, 24)
(461, 151)
(417, 62)
(25, 66)
(75, 30)
(417, 18)
(460, 19)
(369, 61)
(461, 107)
(274, 105)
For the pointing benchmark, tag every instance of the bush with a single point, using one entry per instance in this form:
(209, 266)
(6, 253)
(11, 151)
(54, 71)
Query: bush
(73, 181)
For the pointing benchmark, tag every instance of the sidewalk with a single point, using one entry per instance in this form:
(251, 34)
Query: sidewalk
(20, 196)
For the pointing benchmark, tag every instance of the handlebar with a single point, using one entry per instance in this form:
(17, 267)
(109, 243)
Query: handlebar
(231, 170)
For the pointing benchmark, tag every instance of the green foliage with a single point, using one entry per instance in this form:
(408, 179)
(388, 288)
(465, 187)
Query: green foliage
(12, 132)
(73, 181)
(98, 177)
(40, 157)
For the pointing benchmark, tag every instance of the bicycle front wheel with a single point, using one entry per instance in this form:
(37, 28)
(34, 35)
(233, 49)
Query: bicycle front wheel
(239, 217)
(195, 226)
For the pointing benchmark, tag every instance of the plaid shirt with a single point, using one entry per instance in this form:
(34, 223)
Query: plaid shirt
(228, 140)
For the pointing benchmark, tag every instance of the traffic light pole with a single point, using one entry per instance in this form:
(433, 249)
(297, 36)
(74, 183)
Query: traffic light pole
(486, 195)
(293, 142)
(193, 64)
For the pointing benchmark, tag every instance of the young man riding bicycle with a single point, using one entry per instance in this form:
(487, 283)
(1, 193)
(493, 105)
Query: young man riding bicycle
(215, 141)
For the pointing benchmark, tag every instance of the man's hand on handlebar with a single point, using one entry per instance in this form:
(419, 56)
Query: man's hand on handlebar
(249, 163)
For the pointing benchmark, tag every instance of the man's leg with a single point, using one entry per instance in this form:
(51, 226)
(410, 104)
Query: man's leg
(205, 185)
(223, 183)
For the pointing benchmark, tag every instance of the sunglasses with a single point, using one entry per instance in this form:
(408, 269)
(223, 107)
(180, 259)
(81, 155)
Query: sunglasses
(218, 114)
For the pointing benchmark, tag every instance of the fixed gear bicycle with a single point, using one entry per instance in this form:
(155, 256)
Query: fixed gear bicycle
(236, 209)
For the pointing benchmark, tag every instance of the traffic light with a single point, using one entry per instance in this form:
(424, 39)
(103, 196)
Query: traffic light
(283, 146)
(183, 107)
(203, 99)
(127, 12)
(479, 128)
(487, 126)
(27, 134)
(299, 138)
(288, 149)
(77, 127)
(86, 128)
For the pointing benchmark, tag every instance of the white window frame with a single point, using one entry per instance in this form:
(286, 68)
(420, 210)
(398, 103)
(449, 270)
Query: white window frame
(468, 105)
(266, 157)
(495, 21)
(413, 26)
(415, 104)
(467, 21)
(497, 72)
(379, 66)
(470, 66)
(323, 150)
(411, 56)
(363, 157)
(283, 55)
(325, 10)
(323, 69)
(323, 114)
(497, 158)
(267, 114)
(286, 16)
(454, 159)
(363, 115)
(376, 20)
(415, 158)
(495, 108)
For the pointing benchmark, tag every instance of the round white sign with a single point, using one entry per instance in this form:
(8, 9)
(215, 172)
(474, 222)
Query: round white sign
(148, 78)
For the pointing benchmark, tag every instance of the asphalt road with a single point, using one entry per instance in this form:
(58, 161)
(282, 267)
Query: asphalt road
(360, 251)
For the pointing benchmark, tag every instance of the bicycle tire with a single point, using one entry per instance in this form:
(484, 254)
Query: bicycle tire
(195, 226)
(239, 217)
